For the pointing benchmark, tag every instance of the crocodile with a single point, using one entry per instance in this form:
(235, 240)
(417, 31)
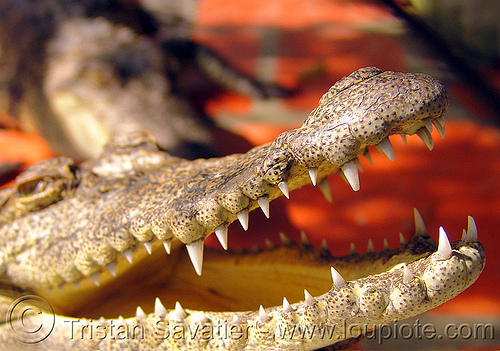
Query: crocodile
(79, 235)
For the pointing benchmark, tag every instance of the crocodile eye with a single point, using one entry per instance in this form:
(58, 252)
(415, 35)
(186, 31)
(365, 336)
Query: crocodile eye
(35, 193)
(32, 186)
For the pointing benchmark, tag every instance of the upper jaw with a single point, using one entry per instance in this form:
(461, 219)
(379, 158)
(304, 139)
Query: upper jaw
(171, 198)
(326, 143)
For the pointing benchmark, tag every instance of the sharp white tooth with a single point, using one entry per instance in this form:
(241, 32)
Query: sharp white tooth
(338, 280)
(324, 186)
(221, 233)
(283, 185)
(407, 274)
(310, 300)
(419, 223)
(444, 246)
(304, 241)
(128, 255)
(149, 246)
(120, 320)
(96, 278)
(286, 306)
(370, 248)
(236, 319)
(243, 218)
(195, 251)
(352, 249)
(313, 174)
(428, 124)
(269, 244)
(351, 174)
(167, 244)
(102, 320)
(403, 136)
(402, 240)
(386, 244)
(264, 205)
(263, 316)
(368, 156)
(178, 314)
(284, 239)
(464, 235)
(160, 310)
(426, 137)
(139, 313)
(440, 127)
(471, 230)
(112, 268)
(385, 147)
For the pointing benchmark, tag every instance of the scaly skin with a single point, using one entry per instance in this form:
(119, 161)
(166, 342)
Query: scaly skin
(62, 223)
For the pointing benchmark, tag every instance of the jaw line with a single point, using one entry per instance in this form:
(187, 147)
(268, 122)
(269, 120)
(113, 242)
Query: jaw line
(233, 280)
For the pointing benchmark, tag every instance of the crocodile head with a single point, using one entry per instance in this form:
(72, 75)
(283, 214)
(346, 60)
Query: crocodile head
(101, 226)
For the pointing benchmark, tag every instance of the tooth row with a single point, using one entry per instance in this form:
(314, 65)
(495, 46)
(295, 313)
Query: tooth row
(349, 172)
(415, 288)
(145, 228)
(419, 230)
(195, 249)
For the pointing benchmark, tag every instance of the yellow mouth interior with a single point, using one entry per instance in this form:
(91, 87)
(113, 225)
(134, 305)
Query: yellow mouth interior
(230, 281)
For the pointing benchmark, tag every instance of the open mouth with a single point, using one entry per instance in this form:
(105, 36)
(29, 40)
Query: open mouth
(175, 203)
